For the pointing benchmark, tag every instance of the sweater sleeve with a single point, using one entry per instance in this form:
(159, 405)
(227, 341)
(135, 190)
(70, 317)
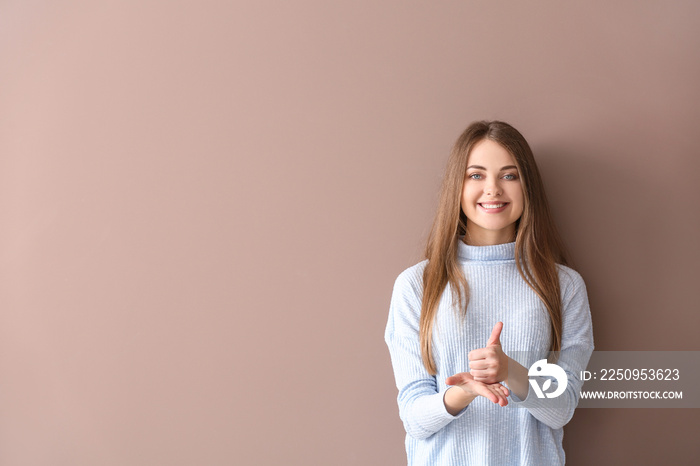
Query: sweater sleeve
(576, 349)
(421, 405)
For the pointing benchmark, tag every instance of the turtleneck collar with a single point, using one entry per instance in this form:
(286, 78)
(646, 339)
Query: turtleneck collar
(497, 252)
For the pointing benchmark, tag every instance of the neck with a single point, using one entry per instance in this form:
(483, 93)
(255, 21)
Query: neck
(489, 238)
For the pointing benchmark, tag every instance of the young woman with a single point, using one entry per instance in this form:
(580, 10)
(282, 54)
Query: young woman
(493, 297)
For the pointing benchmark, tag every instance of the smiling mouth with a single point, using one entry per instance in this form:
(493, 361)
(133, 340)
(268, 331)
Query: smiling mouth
(493, 206)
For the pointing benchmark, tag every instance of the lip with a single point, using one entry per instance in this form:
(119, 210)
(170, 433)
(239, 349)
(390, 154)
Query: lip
(493, 211)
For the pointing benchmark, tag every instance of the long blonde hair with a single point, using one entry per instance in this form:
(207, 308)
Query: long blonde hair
(538, 246)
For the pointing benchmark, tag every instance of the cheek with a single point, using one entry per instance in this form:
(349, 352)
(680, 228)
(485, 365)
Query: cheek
(468, 199)
(520, 207)
(517, 197)
(520, 211)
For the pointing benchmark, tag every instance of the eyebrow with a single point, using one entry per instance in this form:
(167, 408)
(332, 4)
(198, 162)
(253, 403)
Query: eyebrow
(479, 167)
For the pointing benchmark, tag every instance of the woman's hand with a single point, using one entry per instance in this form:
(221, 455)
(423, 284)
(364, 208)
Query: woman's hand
(489, 365)
(494, 392)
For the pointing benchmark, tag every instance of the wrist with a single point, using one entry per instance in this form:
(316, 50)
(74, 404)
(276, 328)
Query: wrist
(509, 373)
(456, 398)
(517, 379)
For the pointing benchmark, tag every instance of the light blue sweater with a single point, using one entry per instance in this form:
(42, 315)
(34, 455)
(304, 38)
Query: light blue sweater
(526, 432)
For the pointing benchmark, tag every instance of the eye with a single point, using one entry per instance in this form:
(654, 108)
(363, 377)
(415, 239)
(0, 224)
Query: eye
(475, 176)
(510, 177)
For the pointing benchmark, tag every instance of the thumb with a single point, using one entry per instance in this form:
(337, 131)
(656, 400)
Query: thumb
(495, 338)
(456, 379)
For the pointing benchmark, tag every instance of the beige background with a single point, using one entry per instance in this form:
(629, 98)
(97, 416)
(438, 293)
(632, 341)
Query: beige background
(205, 204)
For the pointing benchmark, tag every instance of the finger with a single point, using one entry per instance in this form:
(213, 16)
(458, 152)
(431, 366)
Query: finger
(500, 399)
(479, 364)
(481, 353)
(503, 401)
(484, 377)
(502, 392)
(495, 338)
(505, 395)
(487, 393)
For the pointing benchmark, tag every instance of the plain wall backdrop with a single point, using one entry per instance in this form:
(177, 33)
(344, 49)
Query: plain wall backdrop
(205, 204)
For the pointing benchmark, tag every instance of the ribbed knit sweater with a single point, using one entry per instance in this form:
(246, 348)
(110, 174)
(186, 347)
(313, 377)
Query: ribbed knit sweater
(525, 432)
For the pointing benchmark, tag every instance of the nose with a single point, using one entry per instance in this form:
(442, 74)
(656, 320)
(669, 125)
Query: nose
(492, 188)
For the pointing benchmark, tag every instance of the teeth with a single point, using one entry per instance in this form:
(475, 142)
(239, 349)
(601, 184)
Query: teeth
(492, 206)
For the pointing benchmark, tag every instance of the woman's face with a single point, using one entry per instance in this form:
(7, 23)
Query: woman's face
(492, 197)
